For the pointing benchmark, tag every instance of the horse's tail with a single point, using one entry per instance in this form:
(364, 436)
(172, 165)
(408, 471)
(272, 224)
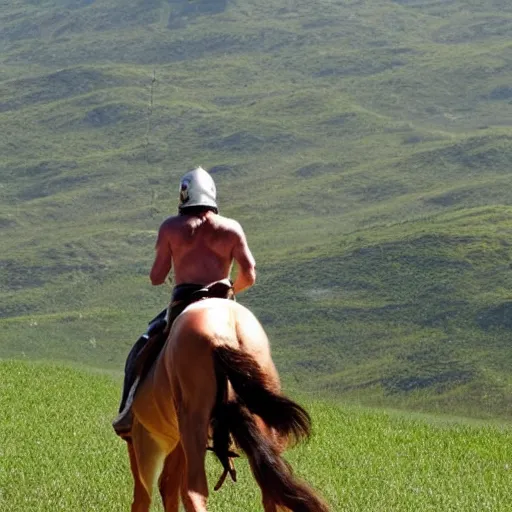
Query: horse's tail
(271, 471)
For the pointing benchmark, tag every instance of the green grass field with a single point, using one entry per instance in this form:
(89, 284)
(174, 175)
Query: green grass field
(58, 452)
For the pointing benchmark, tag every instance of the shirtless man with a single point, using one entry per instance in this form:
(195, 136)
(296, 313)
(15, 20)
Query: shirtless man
(200, 246)
(200, 243)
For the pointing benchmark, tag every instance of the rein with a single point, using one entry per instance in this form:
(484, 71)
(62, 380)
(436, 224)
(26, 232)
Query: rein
(221, 438)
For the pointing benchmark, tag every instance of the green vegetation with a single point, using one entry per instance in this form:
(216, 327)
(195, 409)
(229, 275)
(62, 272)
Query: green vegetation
(364, 146)
(58, 452)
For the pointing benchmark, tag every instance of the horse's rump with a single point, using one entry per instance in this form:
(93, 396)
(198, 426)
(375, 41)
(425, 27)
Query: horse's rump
(213, 343)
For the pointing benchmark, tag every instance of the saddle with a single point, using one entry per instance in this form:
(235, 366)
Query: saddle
(190, 293)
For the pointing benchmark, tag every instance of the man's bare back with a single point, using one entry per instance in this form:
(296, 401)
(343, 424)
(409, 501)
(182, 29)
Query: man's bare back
(202, 248)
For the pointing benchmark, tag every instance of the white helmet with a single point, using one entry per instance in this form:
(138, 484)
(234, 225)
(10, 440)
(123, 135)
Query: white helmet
(197, 188)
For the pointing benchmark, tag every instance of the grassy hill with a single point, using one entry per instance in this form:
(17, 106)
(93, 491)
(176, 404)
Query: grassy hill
(364, 146)
(59, 453)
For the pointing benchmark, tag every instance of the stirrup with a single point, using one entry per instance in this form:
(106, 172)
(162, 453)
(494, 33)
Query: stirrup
(123, 423)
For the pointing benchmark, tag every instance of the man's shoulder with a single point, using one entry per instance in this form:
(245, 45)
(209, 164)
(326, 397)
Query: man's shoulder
(228, 223)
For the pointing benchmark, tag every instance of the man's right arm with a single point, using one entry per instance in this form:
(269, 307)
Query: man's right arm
(246, 272)
(163, 257)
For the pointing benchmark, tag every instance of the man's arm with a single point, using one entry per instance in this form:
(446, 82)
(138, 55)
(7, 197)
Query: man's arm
(246, 274)
(163, 258)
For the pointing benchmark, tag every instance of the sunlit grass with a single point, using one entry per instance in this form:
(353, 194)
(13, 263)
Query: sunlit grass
(58, 452)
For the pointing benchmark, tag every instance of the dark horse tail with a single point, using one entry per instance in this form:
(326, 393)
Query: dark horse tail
(254, 396)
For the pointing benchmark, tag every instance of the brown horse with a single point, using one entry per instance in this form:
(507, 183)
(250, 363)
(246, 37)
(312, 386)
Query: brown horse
(215, 379)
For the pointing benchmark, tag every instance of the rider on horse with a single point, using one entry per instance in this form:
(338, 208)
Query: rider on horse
(200, 245)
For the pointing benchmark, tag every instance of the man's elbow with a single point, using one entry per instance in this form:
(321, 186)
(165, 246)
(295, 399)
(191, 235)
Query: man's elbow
(156, 279)
(253, 276)
(250, 276)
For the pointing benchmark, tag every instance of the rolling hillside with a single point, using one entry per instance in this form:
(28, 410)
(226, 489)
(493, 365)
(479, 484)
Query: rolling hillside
(364, 145)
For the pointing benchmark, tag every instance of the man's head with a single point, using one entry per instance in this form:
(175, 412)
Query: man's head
(197, 192)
